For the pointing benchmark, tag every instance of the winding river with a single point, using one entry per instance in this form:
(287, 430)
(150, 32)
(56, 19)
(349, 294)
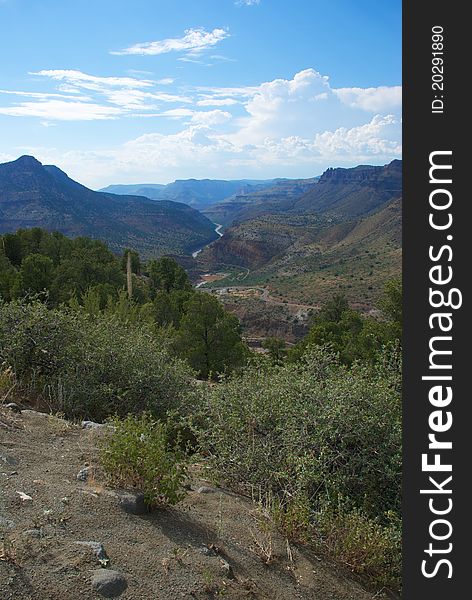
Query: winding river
(218, 231)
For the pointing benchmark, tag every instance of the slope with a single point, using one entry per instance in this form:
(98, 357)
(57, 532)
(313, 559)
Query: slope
(33, 195)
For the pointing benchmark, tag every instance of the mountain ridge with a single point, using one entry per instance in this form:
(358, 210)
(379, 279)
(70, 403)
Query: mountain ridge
(36, 195)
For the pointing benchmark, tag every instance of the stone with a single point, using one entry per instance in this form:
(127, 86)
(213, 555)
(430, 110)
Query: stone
(226, 568)
(108, 583)
(206, 551)
(6, 523)
(8, 460)
(99, 551)
(83, 474)
(133, 503)
(92, 425)
(35, 413)
(204, 489)
(32, 533)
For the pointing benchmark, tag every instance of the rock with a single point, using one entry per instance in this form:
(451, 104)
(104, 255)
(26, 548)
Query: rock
(99, 551)
(13, 406)
(108, 583)
(35, 413)
(204, 489)
(226, 568)
(32, 533)
(24, 497)
(6, 523)
(206, 551)
(92, 425)
(133, 503)
(83, 474)
(8, 460)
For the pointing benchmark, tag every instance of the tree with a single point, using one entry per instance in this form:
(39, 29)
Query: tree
(36, 274)
(391, 304)
(209, 337)
(8, 276)
(167, 275)
(333, 309)
(12, 247)
(277, 348)
(169, 307)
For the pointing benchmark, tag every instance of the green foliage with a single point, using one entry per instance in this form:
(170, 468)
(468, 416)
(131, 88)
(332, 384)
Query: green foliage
(137, 453)
(391, 304)
(305, 435)
(363, 545)
(89, 367)
(277, 348)
(167, 275)
(35, 260)
(352, 335)
(35, 275)
(209, 337)
(314, 428)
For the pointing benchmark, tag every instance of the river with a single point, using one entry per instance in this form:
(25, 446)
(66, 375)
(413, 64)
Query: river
(218, 231)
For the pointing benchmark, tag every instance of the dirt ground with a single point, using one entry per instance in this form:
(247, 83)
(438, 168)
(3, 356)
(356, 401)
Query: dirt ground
(209, 546)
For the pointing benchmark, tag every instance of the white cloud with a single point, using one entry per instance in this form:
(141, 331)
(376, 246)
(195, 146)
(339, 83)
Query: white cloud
(93, 82)
(193, 41)
(60, 110)
(104, 95)
(40, 95)
(217, 102)
(247, 2)
(372, 99)
(293, 127)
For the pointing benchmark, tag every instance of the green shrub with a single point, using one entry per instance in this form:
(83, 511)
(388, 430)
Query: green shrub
(363, 545)
(137, 454)
(299, 436)
(314, 429)
(89, 366)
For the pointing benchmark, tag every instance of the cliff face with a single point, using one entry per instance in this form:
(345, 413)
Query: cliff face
(365, 175)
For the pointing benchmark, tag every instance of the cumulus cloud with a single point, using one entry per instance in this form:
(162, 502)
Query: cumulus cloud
(294, 127)
(372, 99)
(193, 41)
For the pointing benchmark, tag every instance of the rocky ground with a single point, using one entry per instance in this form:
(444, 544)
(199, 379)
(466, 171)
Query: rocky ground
(64, 535)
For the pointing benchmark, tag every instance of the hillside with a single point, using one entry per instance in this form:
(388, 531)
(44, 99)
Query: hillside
(250, 204)
(35, 195)
(199, 193)
(203, 548)
(343, 235)
(341, 192)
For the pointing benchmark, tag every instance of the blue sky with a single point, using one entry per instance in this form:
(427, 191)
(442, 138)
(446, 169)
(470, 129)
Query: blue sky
(129, 91)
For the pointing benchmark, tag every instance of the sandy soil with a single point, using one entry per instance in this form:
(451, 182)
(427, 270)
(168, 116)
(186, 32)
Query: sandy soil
(167, 554)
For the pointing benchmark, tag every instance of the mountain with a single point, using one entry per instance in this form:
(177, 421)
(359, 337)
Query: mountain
(250, 203)
(340, 192)
(342, 234)
(36, 195)
(198, 193)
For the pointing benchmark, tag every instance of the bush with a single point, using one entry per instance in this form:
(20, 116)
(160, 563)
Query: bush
(137, 454)
(363, 545)
(313, 429)
(89, 366)
(300, 436)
